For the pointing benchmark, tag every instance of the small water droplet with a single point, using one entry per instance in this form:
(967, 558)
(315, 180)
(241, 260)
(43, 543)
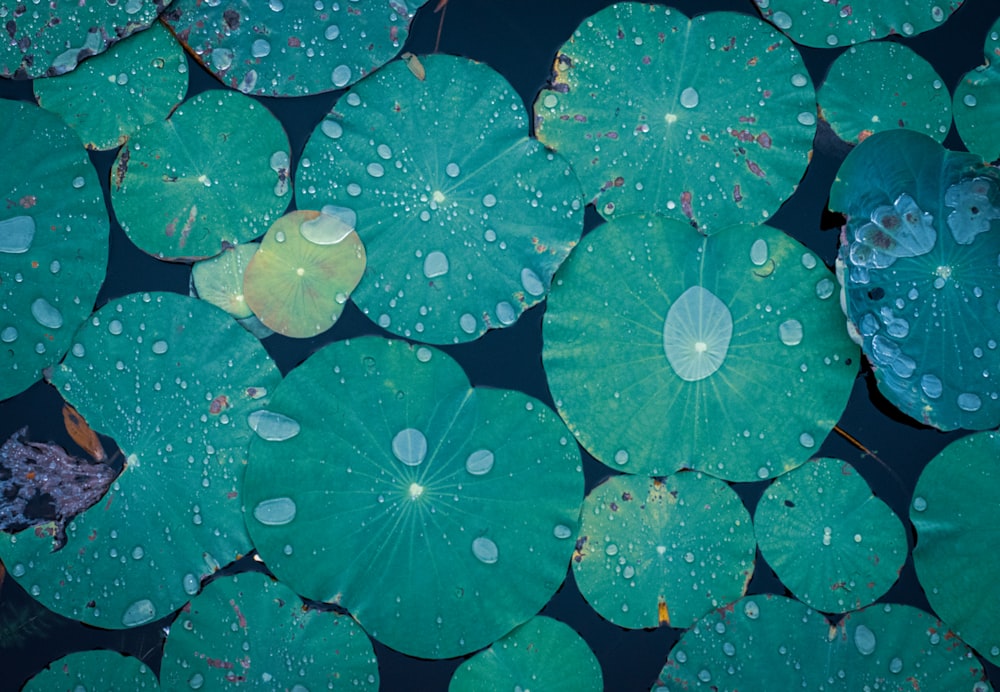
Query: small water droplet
(489, 200)
(806, 118)
(409, 446)
(824, 288)
(550, 101)
(196, 681)
(423, 354)
(689, 97)
(799, 79)
(621, 457)
(751, 610)
(611, 550)
(332, 129)
(375, 169)
(452, 170)
(931, 386)
(864, 640)
(191, 583)
(919, 504)
(505, 313)
(160, 347)
(332, 32)
(260, 48)
(807, 441)
(139, 613)
(115, 327)
(8, 335)
(895, 665)
(78, 182)
(969, 402)
(969, 100)
(561, 531)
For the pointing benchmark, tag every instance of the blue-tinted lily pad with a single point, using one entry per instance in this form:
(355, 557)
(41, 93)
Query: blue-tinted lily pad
(977, 101)
(108, 671)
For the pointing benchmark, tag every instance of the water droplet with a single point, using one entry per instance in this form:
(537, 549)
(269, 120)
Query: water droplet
(550, 100)
(782, 20)
(751, 610)
(138, 552)
(479, 462)
(969, 100)
(704, 675)
(806, 118)
(763, 472)
(489, 200)
(55, 266)
(384, 151)
(969, 402)
(327, 229)
(410, 446)
(532, 284)
(807, 441)
(832, 40)
(611, 549)
(505, 313)
(824, 288)
(341, 75)
(222, 59)
(45, 314)
(758, 252)
(332, 129)
(160, 347)
(452, 170)
(196, 681)
(485, 550)
(808, 260)
(375, 169)
(332, 32)
(621, 457)
(689, 97)
(260, 48)
(8, 335)
(561, 531)
(680, 657)
(18, 570)
(435, 264)
(139, 613)
(628, 572)
(79, 182)
(799, 79)
(696, 334)
(423, 354)
(919, 504)
(115, 327)
(190, 584)
(931, 386)
(277, 511)
(864, 639)
(467, 322)
(272, 426)
(790, 332)
(895, 665)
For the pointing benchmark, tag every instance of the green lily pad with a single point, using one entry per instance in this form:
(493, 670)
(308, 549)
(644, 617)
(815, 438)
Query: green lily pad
(977, 101)
(173, 380)
(765, 643)
(830, 541)
(107, 98)
(881, 86)
(103, 670)
(666, 349)
(292, 48)
(299, 280)
(460, 237)
(249, 629)
(707, 120)
(53, 242)
(919, 257)
(662, 551)
(830, 24)
(215, 173)
(44, 39)
(440, 515)
(955, 512)
(219, 279)
(542, 654)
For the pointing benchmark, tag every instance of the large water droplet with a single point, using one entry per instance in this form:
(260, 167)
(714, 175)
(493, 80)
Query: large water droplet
(479, 462)
(326, 229)
(968, 401)
(505, 313)
(561, 531)
(410, 446)
(222, 59)
(689, 97)
(435, 264)
(864, 640)
(191, 583)
(467, 322)
(932, 386)
(696, 334)
(196, 681)
(824, 288)
(532, 284)
(332, 32)
(341, 75)
(139, 613)
(790, 332)
(485, 550)
(260, 48)
(277, 511)
(452, 170)
(332, 129)
(46, 314)
(758, 252)
(16, 234)
(489, 200)
(160, 347)
(272, 426)
(8, 335)
(375, 169)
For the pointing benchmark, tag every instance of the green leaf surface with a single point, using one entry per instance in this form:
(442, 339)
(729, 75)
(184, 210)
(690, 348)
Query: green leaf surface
(249, 629)
(53, 242)
(919, 254)
(219, 279)
(881, 86)
(51, 38)
(215, 173)
(107, 98)
(173, 380)
(542, 654)
(285, 48)
(708, 120)
(831, 24)
(767, 642)
(299, 280)
(662, 551)
(977, 101)
(438, 514)
(664, 346)
(108, 671)
(462, 234)
(955, 511)
(830, 541)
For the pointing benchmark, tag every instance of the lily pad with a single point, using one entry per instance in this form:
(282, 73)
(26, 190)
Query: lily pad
(462, 235)
(94, 670)
(173, 380)
(831, 24)
(830, 541)
(249, 629)
(53, 242)
(216, 173)
(219, 279)
(666, 349)
(299, 280)
(277, 48)
(541, 654)
(135, 83)
(765, 643)
(977, 101)
(707, 120)
(919, 253)
(955, 512)
(881, 86)
(662, 551)
(440, 515)
(51, 38)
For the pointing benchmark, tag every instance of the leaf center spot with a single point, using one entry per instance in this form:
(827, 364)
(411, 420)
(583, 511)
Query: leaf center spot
(438, 196)
(416, 490)
(300, 271)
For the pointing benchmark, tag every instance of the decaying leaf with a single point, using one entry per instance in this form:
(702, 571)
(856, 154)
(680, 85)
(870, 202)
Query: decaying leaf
(82, 434)
(416, 67)
(41, 484)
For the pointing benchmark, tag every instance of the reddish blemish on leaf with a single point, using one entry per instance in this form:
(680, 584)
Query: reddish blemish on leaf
(394, 33)
(686, 207)
(737, 193)
(846, 11)
(742, 135)
(28, 201)
(865, 134)
(646, 60)
(773, 47)
(747, 119)
(613, 506)
(294, 42)
(752, 61)
(219, 404)
(578, 549)
(764, 140)
(121, 168)
(239, 615)
(580, 118)
(755, 169)
(218, 663)
(626, 497)
(662, 614)
(188, 225)
(704, 138)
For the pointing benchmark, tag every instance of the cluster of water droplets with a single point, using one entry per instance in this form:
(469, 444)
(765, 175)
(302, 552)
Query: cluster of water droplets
(900, 230)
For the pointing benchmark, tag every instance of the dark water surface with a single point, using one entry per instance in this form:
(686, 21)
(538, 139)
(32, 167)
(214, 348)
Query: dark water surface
(518, 38)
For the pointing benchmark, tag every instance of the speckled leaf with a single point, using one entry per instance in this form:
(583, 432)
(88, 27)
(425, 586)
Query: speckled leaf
(108, 671)
(708, 120)
(43, 39)
(542, 654)
(53, 242)
(299, 280)
(135, 83)
(920, 269)
(251, 629)
(666, 349)
(766, 643)
(441, 516)
(830, 541)
(172, 379)
(662, 551)
(286, 48)
(215, 172)
(219, 280)
(955, 511)
(977, 101)
(463, 232)
(830, 24)
(881, 86)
